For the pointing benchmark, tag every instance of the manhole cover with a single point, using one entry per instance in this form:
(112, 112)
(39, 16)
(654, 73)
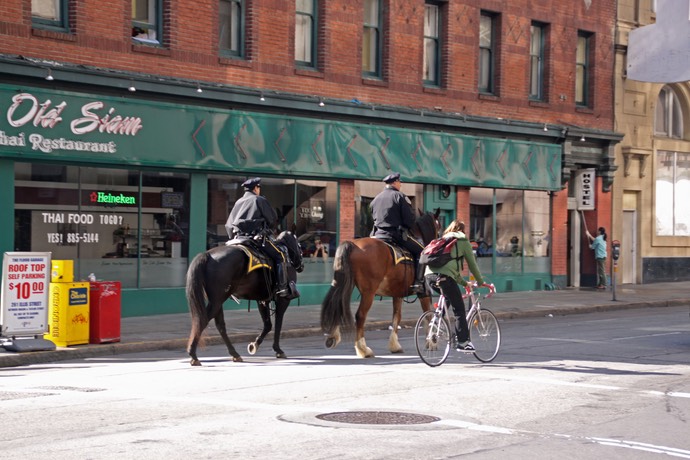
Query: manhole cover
(378, 418)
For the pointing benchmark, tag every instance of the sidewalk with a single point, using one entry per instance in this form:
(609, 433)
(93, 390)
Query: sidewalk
(170, 332)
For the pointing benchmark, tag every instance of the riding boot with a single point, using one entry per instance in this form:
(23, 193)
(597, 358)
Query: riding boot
(293, 291)
(419, 286)
(282, 290)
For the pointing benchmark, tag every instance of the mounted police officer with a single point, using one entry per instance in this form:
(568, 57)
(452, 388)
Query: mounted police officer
(394, 219)
(252, 216)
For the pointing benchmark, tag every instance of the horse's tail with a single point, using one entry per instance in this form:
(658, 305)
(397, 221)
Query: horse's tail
(335, 308)
(196, 293)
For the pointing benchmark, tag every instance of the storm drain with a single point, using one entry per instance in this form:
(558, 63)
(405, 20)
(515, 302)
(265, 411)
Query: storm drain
(378, 418)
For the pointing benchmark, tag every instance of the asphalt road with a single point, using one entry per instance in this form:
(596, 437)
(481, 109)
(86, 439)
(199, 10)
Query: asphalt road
(599, 385)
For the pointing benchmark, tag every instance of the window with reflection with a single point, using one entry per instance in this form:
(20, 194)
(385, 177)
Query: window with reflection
(305, 32)
(231, 24)
(371, 38)
(307, 208)
(671, 194)
(511, 229)
(583, 68)
(536, 53)
(487, 52)
(668, 120)
(432, 49)
(147, 21)
(50, 14)
(121, 225)
(365, 191)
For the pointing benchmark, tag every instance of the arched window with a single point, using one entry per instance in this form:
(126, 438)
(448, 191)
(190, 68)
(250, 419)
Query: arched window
(669, 116)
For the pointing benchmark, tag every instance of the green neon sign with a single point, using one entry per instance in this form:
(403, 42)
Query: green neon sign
(109, 198)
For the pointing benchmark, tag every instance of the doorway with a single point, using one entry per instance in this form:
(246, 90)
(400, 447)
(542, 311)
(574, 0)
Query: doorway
(628, 258)
(574, 235)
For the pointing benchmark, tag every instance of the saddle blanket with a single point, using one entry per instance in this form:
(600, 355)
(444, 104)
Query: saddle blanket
(257, 259)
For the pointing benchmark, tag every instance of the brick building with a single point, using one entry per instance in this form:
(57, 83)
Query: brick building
(495, 112)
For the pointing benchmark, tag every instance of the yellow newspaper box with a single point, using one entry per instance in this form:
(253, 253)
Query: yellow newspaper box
(62, 271)
(68, 314)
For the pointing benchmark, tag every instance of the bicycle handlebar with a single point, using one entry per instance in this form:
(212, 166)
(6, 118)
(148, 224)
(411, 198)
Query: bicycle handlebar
(469, 287)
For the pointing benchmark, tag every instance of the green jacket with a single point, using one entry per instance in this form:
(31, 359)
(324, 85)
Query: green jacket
(453, 269)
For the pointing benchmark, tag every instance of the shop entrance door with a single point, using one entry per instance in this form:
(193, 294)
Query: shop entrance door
(440, 196)
(628, 259)
(574, 252)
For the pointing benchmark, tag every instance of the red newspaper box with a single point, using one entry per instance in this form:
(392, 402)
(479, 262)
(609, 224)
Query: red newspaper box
(104, 311)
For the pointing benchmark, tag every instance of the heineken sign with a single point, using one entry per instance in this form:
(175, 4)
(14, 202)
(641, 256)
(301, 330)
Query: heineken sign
(107, 198)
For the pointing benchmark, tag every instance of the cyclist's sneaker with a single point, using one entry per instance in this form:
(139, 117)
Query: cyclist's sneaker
(465, 346)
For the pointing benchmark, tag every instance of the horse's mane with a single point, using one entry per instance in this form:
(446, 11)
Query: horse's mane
(427, 225)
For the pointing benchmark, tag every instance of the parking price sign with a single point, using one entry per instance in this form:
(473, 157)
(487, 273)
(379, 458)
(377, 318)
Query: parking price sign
(24, 300)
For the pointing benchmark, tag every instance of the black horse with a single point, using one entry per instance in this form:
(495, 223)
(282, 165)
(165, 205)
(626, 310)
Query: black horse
(225, 271)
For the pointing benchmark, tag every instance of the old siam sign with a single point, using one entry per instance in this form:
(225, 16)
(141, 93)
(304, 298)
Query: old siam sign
(26, 110)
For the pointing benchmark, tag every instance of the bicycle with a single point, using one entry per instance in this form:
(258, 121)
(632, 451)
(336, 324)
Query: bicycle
(434, 335)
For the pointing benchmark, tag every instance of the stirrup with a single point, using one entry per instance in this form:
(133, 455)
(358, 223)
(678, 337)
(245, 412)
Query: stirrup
(419, 288)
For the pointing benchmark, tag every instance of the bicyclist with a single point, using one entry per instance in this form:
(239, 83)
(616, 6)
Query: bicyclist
(447, 277)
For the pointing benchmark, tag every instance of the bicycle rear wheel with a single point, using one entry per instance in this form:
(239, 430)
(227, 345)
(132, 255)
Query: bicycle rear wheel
(433, 338)
(485, 334)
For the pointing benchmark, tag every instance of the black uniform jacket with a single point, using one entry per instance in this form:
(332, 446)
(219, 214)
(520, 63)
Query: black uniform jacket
(250, 215)
(392, 212)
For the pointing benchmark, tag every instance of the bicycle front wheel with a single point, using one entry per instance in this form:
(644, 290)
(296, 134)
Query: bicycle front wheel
(433, 338)
(485, 334)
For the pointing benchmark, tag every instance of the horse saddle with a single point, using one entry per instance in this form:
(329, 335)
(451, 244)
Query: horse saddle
(257, 258)
(400, 254)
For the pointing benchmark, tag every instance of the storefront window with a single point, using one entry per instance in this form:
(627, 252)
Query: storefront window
(120, 225)
(366, 191)
(672, 187)
(307, 208)
(511, 228)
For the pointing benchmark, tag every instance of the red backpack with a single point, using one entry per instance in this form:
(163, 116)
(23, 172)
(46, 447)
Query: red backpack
(438, 252)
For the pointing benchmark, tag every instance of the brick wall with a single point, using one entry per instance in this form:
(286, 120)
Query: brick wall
(347, 209)
(102, 39)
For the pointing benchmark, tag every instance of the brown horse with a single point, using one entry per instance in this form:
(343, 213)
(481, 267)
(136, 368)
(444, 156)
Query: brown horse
(370, 265)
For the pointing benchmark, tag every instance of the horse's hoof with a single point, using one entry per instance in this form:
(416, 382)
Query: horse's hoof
(252, 348)
(237, 359)
(399, 350)
(330, 342)
(195, 362)
(367, 354)
(281, 355)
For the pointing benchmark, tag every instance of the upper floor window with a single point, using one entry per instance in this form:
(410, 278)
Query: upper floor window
(51, 14)
(669, 115)
(487, 48)
(432, 54)
(536, 57)
(582, 69)
(371, 38)
(305, 32)
(147, 21)
(231, 23)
